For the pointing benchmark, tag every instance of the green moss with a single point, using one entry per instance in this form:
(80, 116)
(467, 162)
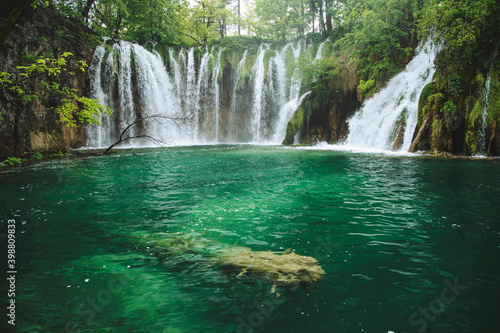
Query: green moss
(436, 128)
(478, 80)
(429, 89)
(439, 82)
(294, 125)
(290, 62)
(246, 69)
(471, 143)
(270, 53)
(475, 114)
(198, 53)
(494, 97)
(429, 100)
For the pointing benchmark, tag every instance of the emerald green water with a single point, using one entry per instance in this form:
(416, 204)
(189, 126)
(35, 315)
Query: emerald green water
(391, 233)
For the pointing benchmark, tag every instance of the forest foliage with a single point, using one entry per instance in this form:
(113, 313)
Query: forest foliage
(381, 35)
(374, 39)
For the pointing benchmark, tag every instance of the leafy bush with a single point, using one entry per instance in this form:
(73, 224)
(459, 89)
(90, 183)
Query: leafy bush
(13, 161)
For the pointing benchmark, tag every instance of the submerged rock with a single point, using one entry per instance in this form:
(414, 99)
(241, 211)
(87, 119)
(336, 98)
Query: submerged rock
(280, 268)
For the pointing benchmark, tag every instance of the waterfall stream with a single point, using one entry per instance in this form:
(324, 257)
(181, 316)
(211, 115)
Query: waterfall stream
(484, 112)
(197, 95)
(387, 121)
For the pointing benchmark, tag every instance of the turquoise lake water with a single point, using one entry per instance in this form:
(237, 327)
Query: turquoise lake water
(408, 244)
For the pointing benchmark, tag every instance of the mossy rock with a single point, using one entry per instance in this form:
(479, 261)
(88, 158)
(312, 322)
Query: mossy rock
(279, 268)
(294, 125)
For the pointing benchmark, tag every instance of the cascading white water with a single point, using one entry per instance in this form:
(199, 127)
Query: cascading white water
(237, 84)
(319, 53)
(160, 97)
(191, 102)
(286, 113)
(217, 94)
(176, 71)
(291, 101)
(157, 105)
(94, 132)
(378, 123)
(484, 112)
(258, 78)
(191, 91)
(125, 97)
(202, 82)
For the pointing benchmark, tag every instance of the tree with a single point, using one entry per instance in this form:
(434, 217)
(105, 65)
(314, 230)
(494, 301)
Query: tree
(110, 17)
(139, 123)
(73, 108)
(458, 25)
(208, 19)
(278, 19)
(379, 34)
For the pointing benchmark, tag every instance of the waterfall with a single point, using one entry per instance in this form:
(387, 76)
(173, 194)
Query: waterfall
(258, 78)
(176, 71)
(484, 112)
(290, 102)
(118, 85)
(93, 132)
(202, 82)
(217, 94)
(319, 54)
(191, 88)
(193, 100)
(391, 115)
(286, 113)
(234, 100)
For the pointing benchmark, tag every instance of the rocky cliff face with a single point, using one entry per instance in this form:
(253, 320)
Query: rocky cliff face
(34, 126)
(322, 116)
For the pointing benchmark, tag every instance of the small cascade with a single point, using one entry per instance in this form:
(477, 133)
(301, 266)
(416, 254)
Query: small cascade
(202, 82)
(125, 97)
(234, 100)
(176, 71)
(293, 99)
(387, 120)
(258, 79)
(319, 53)
(286, 114)
(217, 94)
(94, 132)
(191, 91)
(484, 112)
(277, 79)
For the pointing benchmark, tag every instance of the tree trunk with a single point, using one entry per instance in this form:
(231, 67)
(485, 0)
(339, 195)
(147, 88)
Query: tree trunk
(328, 18)
(239, 17)
(420, 133)
(321, 20)
(86, 9)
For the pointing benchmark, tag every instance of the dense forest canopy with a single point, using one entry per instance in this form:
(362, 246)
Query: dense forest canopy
(382, 34)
